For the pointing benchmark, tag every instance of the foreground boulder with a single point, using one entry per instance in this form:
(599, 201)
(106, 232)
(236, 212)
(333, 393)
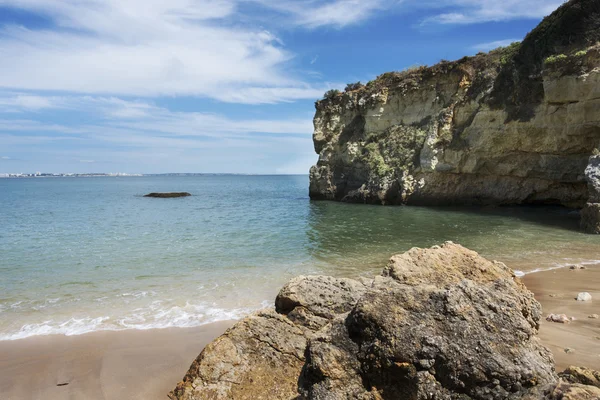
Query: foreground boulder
(168, 195)
(439, 323)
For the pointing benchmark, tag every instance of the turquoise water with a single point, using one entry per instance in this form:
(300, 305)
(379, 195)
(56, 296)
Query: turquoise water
(85, 254)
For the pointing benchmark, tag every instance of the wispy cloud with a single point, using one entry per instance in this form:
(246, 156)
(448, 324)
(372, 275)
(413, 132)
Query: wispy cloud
(478, 11)
(494, 45)
(146, 119)
(319, 13)
(193, 47)
(141, 48)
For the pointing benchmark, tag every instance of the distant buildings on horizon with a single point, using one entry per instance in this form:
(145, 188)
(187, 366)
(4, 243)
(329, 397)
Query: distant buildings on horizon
(69, 175)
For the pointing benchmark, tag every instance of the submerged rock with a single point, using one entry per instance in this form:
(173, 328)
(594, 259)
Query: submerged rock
(168, 195)
(440, 323)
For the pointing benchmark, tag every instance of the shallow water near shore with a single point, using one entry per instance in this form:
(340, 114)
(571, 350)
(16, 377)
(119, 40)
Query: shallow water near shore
(86, 254)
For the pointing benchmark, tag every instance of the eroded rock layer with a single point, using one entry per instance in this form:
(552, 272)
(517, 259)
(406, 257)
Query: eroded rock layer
(439, 323)
(514, 126)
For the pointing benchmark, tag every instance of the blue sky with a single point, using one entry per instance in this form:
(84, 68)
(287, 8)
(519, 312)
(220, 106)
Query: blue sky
(149, 86)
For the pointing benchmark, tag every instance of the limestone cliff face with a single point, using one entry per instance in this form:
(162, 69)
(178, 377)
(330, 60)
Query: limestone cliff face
(514, 126)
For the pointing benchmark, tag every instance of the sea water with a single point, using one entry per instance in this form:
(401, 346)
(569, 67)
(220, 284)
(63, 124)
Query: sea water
(85, 254)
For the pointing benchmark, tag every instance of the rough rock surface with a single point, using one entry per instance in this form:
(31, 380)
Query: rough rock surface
(439, 323)
(514, 126)
(584, 376)
(590, 215)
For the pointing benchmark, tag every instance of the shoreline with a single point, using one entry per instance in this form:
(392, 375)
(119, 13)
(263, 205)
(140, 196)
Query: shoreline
(147, 364)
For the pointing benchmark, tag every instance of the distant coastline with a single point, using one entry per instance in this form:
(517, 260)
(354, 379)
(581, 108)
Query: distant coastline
(122, 174)
(68, 175)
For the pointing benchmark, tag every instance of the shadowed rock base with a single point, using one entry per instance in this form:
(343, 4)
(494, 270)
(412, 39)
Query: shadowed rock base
(590, 218)
(439, 323)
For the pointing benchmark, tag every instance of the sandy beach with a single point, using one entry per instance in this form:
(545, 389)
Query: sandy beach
(578, 342)
(148, 364)
(102, 365)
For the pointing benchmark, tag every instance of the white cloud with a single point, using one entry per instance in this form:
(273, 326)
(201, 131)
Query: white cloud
(494, 45)
(87, 161)
(5, 158)
(318, 13)
(15, 102)
(478, 11)
(114, 114)
(147, 48)
(205, 48)
(341, 13)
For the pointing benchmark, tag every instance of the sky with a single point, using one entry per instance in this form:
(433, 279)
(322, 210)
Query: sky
(211, 86)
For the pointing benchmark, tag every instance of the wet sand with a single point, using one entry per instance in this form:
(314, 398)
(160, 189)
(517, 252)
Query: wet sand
(557, 290)
(102, 365)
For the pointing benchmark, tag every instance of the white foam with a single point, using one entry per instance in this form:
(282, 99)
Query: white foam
(554, 267)
(154, 316)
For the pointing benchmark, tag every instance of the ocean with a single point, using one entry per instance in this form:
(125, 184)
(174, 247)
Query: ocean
(84, 254)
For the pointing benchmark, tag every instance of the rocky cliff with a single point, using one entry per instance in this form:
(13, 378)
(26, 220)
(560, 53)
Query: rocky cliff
(439, 323)
(515, 126)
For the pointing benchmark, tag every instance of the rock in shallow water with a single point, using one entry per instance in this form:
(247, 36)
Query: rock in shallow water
(168, 195)
(439, 323)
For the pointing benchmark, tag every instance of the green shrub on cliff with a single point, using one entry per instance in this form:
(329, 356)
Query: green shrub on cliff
(353, 86)
(508, 52)
(555, 59)
(330, 94)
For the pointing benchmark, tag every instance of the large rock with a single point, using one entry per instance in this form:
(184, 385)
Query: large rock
(590, 214)
(462, 327)
(514, 126)
(592, 175)
(590, 218)
(440, 323)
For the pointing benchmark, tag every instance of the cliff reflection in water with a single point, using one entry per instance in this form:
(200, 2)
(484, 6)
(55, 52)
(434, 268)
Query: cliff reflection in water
(353, 238)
